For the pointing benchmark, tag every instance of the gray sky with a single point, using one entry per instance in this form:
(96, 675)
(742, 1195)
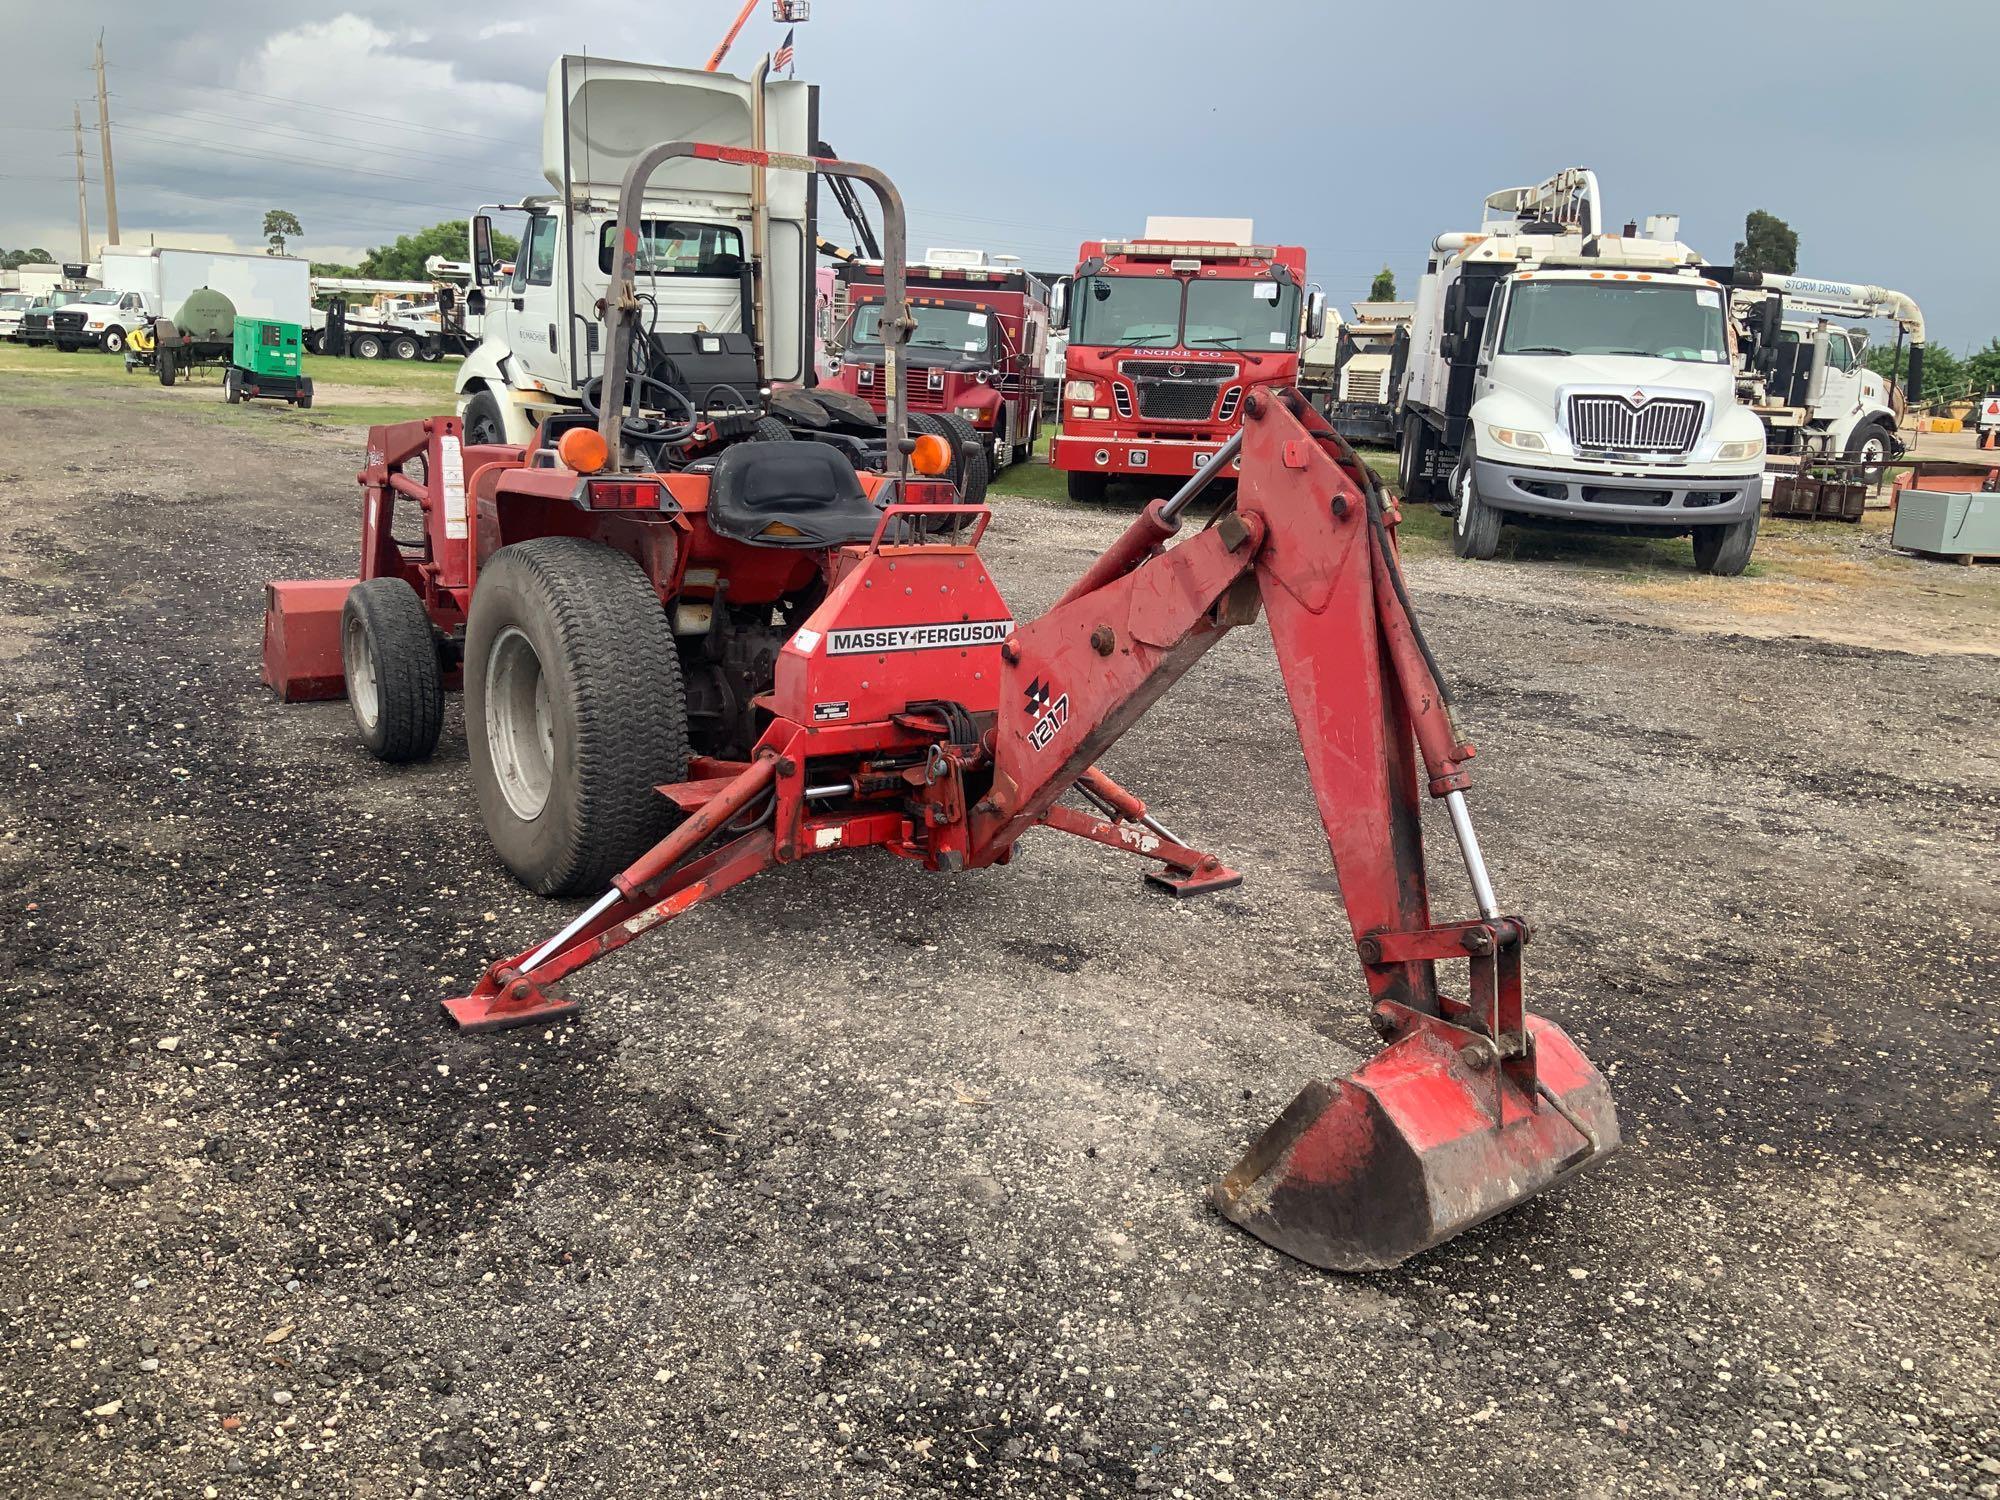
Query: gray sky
(1357, 131)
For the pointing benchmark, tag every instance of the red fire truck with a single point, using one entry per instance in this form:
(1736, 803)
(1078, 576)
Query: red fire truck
(975, 355)
(1166, 336)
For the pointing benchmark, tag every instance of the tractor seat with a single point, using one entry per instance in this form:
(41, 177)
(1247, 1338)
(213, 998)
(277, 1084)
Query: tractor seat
(808, 489)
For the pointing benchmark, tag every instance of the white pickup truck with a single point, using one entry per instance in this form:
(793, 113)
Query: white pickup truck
(1559, 373)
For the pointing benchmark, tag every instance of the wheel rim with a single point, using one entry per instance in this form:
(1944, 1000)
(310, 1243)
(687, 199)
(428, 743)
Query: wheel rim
(1462, 482)
(1872, 451)
(113, 342)
(363, 690)
(520, 728)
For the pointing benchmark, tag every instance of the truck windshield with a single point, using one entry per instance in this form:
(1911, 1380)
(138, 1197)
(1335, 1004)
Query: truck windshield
(1242, 315)
(102, 294)
(1127, 311)
(669, 247)
(9, 301)
(1595, 317)
(952, 328)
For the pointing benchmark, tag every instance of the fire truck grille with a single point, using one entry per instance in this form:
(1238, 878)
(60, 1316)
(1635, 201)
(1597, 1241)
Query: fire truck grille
(1614, 424)
(1170, 391)
(918, 393)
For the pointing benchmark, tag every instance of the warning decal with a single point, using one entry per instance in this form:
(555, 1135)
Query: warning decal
(949, 633)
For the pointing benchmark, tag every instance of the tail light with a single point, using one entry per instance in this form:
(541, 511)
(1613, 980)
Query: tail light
(620, 494)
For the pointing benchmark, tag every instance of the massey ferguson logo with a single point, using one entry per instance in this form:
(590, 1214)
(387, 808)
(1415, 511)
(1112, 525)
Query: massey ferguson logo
(1050, 711)
(959, 633)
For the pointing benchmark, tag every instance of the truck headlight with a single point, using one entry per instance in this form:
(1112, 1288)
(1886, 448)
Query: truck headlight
(1513, 437)
(1080, 390)
(1743, 448)
(976, 415)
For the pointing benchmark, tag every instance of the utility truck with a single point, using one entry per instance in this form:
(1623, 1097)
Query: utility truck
(1168, 334)
(1558, 373)
(1351, 372)
(724, 253)
(975, 354)
(1803, 374)
(143, 283)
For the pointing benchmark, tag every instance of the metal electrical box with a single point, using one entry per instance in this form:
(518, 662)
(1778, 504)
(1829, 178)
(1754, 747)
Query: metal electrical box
(267, 347)
(1945, 523)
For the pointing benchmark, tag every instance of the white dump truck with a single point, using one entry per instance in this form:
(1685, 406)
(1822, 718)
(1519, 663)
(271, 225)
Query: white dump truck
(1558, 373)
(727, 253)
(1802, 372)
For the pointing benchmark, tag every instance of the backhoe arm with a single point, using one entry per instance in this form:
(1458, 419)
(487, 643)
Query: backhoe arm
(1447, 1125)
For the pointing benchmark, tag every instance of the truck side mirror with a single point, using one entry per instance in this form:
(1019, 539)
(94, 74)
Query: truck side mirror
(1315, 315)
(1059, 304)
(475, 303)
(482, 251)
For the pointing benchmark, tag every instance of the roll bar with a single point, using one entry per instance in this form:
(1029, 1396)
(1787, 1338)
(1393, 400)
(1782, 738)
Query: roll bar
(621, 303)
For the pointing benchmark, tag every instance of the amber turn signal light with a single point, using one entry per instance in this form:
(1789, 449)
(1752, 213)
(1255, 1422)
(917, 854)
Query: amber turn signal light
(583, 450)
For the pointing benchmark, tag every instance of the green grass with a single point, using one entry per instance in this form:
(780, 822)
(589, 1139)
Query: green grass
(97, 368)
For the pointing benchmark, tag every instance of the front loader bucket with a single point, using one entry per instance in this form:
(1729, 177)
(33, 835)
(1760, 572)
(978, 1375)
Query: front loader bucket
(302, 638)
(1415, 1146)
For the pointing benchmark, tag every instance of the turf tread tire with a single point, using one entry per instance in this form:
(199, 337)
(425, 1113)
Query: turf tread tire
(615, 689)
(409, 683)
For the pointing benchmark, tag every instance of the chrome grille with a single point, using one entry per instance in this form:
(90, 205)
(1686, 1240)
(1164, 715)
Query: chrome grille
(1616, 424)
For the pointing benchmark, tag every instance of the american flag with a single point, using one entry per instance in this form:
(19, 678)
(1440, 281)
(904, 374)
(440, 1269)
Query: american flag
(782, 58)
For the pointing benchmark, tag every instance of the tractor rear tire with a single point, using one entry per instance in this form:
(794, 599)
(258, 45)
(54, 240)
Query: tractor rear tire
(1724, 551)
(1087, 487)
(389, 654)
(574, 712)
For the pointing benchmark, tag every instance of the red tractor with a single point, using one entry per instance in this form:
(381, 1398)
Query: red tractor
(678, 677)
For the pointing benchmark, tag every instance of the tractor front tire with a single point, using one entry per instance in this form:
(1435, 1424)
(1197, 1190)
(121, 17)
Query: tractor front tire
(574, 712)
(389, 655)
(483, 420)
(163, 365)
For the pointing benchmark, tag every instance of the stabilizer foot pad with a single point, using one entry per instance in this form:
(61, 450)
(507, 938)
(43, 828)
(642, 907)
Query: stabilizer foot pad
(1183, 883)
(496, 1013)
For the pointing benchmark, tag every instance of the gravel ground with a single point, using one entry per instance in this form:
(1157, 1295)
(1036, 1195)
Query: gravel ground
(871, 1182)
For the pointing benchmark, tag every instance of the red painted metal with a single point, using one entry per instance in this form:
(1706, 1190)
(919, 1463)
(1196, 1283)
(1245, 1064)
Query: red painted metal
(1132, 441)
(909, 713)
(302, 638)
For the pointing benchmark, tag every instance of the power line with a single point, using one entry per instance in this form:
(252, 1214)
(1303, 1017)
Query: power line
(295, 161)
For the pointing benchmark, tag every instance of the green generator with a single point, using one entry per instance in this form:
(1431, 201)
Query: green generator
(266, 361)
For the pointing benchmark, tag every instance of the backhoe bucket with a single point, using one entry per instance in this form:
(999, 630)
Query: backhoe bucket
(1418, 1144)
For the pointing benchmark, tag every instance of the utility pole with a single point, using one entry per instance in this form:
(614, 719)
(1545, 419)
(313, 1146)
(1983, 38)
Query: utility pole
(82, 202)
(104, 140)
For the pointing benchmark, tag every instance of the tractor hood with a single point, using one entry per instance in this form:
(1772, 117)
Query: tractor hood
(600, 116)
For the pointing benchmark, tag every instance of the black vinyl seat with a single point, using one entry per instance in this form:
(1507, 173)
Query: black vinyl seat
(808, 487)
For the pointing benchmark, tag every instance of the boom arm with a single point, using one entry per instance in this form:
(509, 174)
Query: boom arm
(1307, 537)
